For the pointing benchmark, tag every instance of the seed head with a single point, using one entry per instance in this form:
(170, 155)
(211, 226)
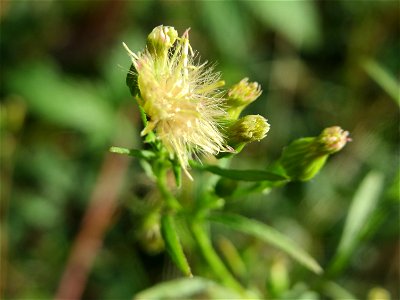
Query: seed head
(180, 96)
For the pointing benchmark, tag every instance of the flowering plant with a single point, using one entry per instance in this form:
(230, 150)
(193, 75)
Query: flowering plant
(187, 115)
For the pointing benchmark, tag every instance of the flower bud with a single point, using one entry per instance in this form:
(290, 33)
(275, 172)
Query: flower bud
(333, 139)
(248, 129)
(161, 39)
(149, 234)
(304, 157)
(241, 95)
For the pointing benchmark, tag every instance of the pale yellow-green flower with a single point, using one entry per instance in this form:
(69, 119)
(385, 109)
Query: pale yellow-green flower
(180, 96)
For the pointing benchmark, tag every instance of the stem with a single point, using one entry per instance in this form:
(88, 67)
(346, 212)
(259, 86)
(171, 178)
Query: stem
(213, 259)
(170, 200)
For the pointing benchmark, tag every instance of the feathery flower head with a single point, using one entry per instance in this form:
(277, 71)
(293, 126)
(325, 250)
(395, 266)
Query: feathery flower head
(180, 96)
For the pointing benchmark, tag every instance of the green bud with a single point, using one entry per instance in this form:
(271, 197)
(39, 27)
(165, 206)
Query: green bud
(248, 129)
(304, 157)
(161, 39)
(225, 187)
(149, 234)
(241, 95)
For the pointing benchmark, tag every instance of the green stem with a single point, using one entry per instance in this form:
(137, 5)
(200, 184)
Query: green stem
(213, 259)
(170, 200)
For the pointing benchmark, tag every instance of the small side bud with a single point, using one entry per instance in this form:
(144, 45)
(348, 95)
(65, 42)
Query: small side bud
(248, 129)
(333, 139)
(161, 39)
(304, 157)
(241, 95)
(149, 234)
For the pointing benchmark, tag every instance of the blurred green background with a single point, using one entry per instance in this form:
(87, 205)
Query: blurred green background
(64, 102)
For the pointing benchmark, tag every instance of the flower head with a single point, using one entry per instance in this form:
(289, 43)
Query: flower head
(180, 96)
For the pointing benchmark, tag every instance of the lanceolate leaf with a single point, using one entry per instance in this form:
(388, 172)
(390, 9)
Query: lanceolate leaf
(244, 175)
(144, 154)
(269, 235)
(173, 244)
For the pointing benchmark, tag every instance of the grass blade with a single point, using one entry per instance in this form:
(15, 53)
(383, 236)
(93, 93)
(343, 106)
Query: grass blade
(361, 208)
(387, 82)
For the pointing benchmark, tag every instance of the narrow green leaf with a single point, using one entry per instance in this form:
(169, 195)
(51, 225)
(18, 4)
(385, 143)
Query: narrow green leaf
(204, 242)
(335, 291)
(244, 175)
(143, 154)
(173, 244)
(361, 208)
(386, 81)
(187, 288)
(269, 235)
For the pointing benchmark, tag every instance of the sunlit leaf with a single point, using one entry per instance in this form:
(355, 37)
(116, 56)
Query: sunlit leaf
(269, 235)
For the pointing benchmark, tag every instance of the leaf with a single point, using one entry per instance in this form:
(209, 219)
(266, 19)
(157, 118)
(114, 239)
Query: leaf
(187, 288)
(269, 235)
(244, 175)
(361, 208)
(386, 81)
(143, 154)
(173, 244)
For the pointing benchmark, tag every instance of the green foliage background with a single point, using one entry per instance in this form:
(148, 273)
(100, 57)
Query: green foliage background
(64, 102)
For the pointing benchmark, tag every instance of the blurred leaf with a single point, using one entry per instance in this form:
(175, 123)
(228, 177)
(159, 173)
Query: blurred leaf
(269, 235)
(296, 20)
(173, 244)
(187, 288)
(63, 101)
(386, 81)
(227, 27)
(300, 291)
(143, 154)
(203, 240)
(336, 292)
(232, 257)
(245, 175)
(361, 208)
